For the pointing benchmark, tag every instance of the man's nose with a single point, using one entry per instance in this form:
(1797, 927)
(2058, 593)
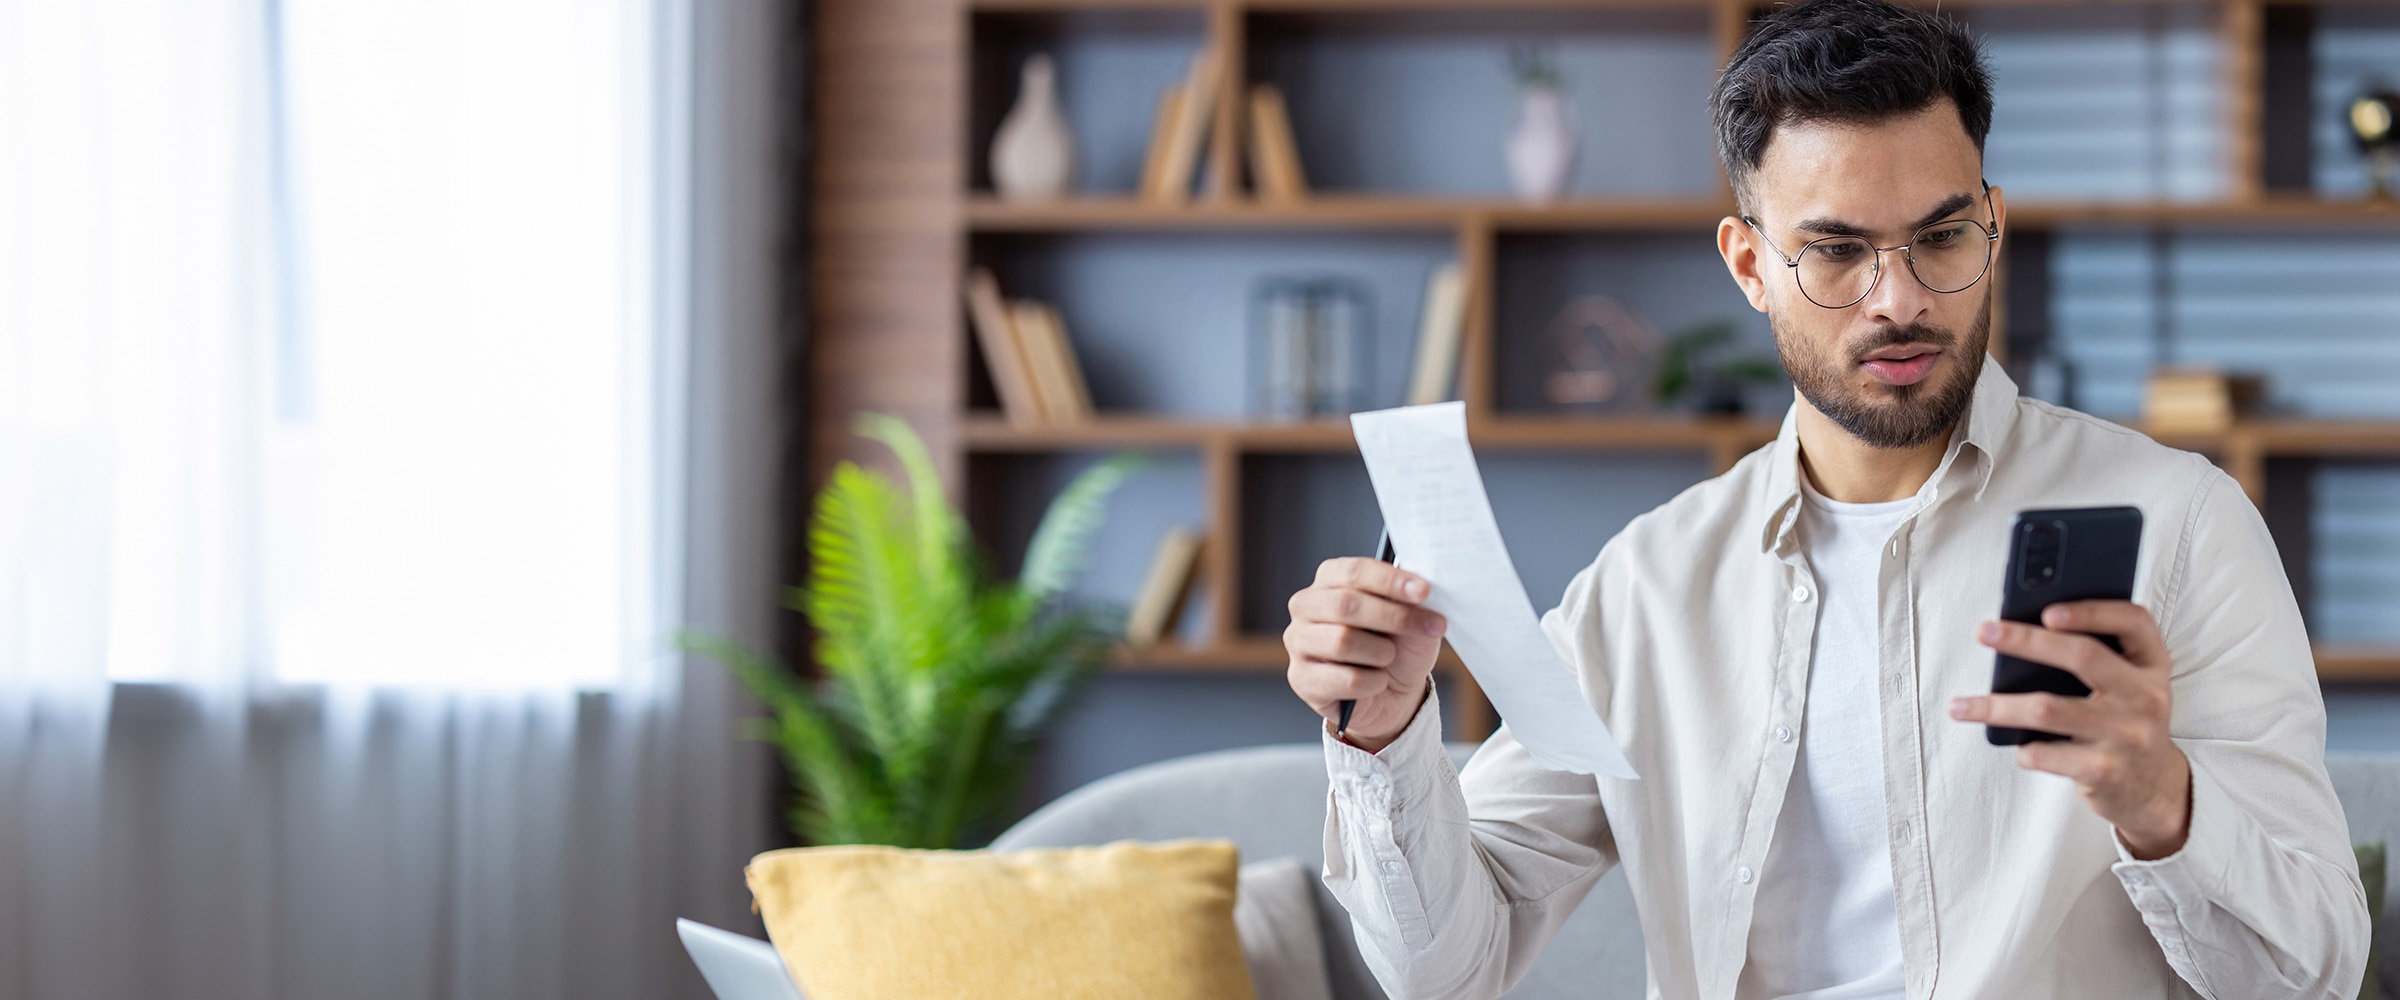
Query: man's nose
(1898, 298)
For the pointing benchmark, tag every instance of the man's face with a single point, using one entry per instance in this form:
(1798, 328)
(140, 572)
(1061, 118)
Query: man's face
(1897, 368)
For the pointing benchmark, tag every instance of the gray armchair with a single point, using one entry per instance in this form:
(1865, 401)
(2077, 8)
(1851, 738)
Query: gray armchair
(1270, 801)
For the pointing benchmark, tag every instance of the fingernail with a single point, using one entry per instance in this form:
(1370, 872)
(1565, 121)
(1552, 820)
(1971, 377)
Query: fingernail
(1958, 708)
(1988, 632)
(1436, 626)
(1416, 590)
(2054, 617)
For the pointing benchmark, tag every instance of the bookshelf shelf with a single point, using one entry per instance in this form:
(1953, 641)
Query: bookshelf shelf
(1265, 653)
(1383, 6)
(1542, 433)
(985, 214)
(2275, 437)
(991, 215)
(2362, 664)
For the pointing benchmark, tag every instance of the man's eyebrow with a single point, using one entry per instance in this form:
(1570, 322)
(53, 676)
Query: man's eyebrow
(1837, 227)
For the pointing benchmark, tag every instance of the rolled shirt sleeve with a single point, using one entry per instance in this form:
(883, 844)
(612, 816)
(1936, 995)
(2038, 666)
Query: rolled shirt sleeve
(1444, 906)
(2263, 899)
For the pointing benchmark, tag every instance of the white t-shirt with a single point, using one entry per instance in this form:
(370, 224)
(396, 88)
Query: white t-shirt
(1823, 926)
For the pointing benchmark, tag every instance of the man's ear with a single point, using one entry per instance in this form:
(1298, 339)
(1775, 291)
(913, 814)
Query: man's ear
(1737, 245)
(1999, 220)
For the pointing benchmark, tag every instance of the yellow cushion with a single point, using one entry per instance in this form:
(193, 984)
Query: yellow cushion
(1126, 920)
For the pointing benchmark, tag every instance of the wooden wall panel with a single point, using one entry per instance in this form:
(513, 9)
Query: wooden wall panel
(885, 255)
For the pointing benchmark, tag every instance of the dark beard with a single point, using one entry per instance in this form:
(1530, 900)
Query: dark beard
(1914, 414)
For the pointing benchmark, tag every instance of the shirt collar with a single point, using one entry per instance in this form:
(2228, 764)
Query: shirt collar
(1991, 416)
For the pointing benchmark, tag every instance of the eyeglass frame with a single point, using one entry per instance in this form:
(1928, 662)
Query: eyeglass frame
(1991, 235)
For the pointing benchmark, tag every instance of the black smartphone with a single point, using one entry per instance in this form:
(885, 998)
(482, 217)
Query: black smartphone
(2075, 554)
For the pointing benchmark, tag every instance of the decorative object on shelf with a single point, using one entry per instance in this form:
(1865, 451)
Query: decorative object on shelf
(1033, 154)
(1309, 347)
(1164, 588)
(1440, 331)
(1182, 125)
(1541, 150)
(936, 679)
(2373, 118)
(2196, 400)
(1600, 356)
(1274, 153)
(1693, 363)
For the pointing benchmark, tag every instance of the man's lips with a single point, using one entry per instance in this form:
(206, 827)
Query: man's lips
(1901, 364)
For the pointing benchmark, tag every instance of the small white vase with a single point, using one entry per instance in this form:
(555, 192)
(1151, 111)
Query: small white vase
(1541, 151)
(1033, 154)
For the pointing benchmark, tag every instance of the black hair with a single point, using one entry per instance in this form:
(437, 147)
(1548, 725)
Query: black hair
(1852, 62)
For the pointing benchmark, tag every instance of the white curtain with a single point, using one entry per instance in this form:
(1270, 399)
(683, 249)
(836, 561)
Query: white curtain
(349, 499)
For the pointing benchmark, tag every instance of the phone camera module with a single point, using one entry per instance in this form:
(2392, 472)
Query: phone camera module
(2038, 554)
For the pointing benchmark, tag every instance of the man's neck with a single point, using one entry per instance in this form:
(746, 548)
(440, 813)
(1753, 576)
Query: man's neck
(1846, 469)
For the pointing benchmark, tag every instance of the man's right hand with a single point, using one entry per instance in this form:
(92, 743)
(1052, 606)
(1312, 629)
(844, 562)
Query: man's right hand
(1359, 633)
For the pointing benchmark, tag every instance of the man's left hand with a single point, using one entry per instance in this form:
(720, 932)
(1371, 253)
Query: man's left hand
(2117, 750)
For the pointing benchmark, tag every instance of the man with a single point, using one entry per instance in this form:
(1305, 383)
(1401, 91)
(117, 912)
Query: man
(1797, 659)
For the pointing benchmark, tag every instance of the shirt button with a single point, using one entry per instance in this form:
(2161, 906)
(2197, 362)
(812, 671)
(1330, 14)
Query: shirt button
(1392, 866)
(1800, 593)
(1742, 874)
(1783, 734)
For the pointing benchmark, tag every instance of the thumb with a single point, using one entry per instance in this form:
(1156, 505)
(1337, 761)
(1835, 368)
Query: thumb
(1415, 657)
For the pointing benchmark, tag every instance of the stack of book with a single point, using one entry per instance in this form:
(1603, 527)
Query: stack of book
(1181, 129)
(1032, 362)
(2195, 400)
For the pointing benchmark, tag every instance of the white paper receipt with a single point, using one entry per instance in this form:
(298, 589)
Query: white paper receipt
(1442, 529)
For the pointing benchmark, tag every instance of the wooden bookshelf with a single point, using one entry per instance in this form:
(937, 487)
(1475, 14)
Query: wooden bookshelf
(897, 224)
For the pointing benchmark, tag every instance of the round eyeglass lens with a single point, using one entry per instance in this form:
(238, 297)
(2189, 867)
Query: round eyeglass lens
(1949, 256)
(1838, 271)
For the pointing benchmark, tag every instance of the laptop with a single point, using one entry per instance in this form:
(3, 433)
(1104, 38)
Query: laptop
(737, 967)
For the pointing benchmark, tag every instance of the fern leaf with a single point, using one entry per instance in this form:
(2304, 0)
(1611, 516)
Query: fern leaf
(1067, 528)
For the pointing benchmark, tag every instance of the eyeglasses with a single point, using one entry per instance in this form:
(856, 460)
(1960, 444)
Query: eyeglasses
(1838, 272)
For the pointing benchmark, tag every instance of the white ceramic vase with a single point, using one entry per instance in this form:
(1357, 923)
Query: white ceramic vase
(1541, 151)
(1033, 155)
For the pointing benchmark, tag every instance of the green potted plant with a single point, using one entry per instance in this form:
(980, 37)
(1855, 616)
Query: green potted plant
(936, 678)
(1693, 364)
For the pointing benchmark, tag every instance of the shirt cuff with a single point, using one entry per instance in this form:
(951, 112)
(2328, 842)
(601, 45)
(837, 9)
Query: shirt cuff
(1421, 736)
(2193, 875)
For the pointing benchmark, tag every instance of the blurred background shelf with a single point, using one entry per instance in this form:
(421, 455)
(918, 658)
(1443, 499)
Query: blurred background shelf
(2180, 190)
(986, 214)
(1647, 433)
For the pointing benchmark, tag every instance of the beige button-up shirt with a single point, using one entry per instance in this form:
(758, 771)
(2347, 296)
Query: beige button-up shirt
(1690, 635)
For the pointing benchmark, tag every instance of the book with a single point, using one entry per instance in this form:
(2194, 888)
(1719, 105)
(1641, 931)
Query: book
(1154, 159)
(1439, 330)
(2187, 402)
(1274, 154)
(1164, 588)
(1003, 350)
(1179, 152)
(1058, 380)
